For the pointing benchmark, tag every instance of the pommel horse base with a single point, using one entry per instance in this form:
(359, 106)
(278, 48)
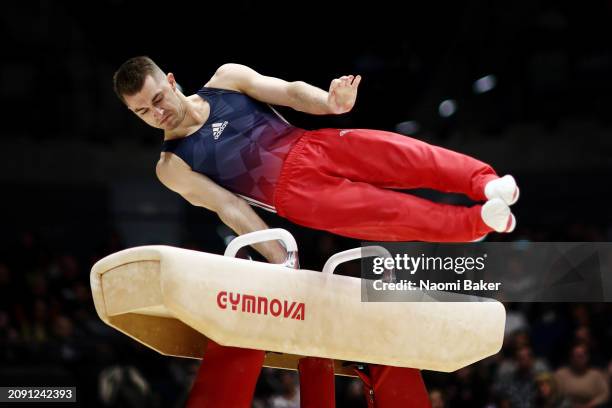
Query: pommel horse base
(173, 300)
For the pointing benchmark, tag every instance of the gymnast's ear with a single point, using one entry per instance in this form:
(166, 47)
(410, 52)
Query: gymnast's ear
(171, 80)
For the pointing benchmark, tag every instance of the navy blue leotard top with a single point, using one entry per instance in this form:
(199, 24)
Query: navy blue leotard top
(241, 146)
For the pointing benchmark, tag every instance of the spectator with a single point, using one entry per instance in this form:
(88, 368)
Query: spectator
(548, 395)
(582, 384)
(289, 395)
(124, 386)
(517, 389)
(436, 397)
(466, 389)
(516, 342)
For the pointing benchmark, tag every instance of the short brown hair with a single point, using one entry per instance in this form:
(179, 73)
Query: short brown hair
(130, 76)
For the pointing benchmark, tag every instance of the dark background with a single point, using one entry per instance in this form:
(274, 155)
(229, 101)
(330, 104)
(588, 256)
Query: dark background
(78, 168)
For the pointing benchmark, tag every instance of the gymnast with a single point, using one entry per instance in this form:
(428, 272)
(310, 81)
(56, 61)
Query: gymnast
(226, 147)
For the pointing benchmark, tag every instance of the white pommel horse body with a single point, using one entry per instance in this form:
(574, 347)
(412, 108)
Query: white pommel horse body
(173, 300)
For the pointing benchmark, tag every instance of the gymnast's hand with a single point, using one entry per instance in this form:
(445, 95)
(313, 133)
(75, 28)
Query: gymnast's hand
(343, 93)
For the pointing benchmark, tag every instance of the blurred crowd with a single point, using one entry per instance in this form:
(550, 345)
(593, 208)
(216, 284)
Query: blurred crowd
(554, 355)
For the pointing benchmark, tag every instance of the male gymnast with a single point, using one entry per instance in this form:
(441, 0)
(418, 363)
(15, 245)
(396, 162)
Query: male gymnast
(225, 147)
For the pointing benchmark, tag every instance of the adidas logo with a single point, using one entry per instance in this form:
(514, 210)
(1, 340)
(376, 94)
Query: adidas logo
(218, 128)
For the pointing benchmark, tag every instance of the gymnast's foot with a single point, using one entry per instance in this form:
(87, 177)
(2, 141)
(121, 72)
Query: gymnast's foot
(504, 188)
(497, 215)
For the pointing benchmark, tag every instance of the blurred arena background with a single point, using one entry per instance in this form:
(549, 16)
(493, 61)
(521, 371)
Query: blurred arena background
(523, 85)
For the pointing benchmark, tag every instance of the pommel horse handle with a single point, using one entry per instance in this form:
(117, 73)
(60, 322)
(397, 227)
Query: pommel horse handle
(273, 234)
(358, 253)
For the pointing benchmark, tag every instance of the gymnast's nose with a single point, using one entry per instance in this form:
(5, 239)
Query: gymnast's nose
(159, 112)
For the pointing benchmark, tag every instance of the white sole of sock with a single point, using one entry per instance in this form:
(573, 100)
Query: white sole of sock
(497, 215)
(504, 188)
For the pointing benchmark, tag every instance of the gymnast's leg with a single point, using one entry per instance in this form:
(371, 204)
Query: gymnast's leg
(390, 160)
(363, 211)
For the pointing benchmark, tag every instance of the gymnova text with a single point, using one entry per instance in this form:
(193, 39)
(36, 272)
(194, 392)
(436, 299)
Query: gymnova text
(458, 285)
(241, 302)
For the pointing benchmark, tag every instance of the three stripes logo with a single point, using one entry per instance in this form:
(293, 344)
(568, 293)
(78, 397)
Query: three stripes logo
(217, 129)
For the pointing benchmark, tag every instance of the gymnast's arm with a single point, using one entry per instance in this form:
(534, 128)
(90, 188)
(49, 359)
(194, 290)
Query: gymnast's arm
(200, 191)
(297, 95)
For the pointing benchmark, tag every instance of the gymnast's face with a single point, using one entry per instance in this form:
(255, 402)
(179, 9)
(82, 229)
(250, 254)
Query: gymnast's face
(157, 102)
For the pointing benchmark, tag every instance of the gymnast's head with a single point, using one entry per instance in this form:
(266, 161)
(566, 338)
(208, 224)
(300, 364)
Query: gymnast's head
(150, 93)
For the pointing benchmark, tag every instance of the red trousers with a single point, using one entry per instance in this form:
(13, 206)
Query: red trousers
(340, 181)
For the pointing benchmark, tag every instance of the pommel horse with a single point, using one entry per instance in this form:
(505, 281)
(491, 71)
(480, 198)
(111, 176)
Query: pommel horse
(176, 300)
